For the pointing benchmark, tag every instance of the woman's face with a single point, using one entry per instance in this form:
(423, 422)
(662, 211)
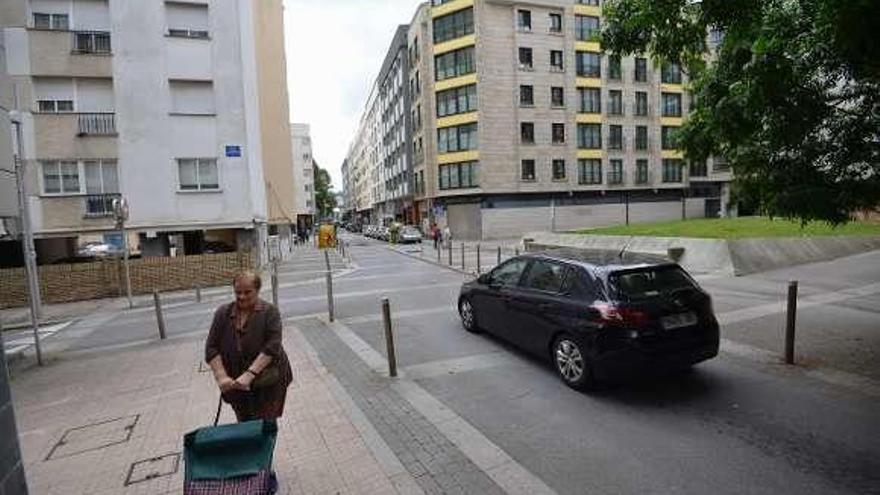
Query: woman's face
(246, 294)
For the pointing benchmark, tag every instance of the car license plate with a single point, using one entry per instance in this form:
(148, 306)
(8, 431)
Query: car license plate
(679, 321)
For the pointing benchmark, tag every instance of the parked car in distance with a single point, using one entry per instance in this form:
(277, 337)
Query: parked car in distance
(410, 234)
(98, 250)
(597, 319)
(214, 247)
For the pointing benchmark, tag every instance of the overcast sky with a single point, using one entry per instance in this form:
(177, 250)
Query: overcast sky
(334, 51)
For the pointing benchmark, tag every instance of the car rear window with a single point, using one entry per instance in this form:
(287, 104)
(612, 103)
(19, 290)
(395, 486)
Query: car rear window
(647, 283)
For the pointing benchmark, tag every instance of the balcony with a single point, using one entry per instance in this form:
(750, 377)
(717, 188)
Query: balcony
(91, 42)
(70, 53)
(100, 205)
(96, 124)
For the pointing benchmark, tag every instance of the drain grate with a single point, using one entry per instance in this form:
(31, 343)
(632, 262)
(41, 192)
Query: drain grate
(150, 469)
(94, 436)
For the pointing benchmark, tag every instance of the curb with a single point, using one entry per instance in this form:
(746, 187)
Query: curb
(472, 273)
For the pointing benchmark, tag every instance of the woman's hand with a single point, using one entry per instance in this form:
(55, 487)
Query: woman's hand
(226, 384)
(244, 381)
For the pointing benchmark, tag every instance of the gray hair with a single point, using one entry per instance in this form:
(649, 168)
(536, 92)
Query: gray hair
(248, 275)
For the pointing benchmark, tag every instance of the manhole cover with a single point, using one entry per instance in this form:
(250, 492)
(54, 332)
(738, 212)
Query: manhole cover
(95, 436)
(150, 469)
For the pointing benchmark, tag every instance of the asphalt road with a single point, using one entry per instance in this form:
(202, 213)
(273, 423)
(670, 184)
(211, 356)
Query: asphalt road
(732, 425)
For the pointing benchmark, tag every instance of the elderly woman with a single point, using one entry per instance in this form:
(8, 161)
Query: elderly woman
(244, 351)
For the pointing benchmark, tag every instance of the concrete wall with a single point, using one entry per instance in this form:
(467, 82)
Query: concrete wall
(12, 479)
(757, 255)
(8, 192)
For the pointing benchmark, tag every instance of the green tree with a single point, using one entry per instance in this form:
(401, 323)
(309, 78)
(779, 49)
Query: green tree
(325, 200)
(790, 96)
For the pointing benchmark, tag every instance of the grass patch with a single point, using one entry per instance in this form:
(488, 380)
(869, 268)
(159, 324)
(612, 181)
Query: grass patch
(737, 228)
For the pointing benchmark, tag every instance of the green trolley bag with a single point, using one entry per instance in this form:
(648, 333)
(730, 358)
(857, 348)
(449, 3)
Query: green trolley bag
(233, 459)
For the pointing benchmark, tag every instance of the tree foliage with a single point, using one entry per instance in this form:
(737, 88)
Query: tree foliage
(325, 200)
(791, 95)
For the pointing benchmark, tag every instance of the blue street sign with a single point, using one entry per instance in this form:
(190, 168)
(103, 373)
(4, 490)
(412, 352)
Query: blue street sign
(233, 151)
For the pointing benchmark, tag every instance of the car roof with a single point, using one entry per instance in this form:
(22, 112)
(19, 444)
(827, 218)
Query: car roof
(603, 261)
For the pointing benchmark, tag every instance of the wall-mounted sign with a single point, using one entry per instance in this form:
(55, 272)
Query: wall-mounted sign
(233, 151)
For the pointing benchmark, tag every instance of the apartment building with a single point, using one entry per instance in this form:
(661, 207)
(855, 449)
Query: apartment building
(535, 128)
(363, 163)
(304, 171)
(179, 107)
(8, 188)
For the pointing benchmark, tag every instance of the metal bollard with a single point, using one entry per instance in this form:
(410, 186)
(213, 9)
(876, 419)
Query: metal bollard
(275, 284)
(389, 337)
(499, 255)
(516, 251)
(330, 312)
(790, 321)
(198, 293)
(160, 320)
(449, 248)
(438, 253)
(479, 268)
(327, 259)
(462, 256)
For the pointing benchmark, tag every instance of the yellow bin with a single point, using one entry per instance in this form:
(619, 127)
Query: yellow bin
(326, 236)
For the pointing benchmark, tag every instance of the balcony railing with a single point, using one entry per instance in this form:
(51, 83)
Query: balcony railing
(91, 42)
(100, 205)
(96, 124)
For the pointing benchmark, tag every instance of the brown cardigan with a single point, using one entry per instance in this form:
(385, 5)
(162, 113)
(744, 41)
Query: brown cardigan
(261, 333)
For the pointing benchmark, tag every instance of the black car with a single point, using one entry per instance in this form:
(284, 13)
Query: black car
(596, 319)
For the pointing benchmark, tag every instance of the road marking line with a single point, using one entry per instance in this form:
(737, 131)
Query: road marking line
(400, 314)
(464, 364)
(362, 293)
(508, 474)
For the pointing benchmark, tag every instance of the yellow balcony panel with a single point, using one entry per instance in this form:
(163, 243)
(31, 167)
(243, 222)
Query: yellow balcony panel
(589, 118)
(454, 120)
(455, 82)
(587, 154)
(461, 156)
(589, 82)
(448, 46)
(588, 46)
(671, 88)
(672, 154)
(671, 121)
(588, 10)
(450, 7)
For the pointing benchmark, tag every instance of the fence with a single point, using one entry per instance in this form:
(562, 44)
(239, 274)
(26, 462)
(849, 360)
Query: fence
(100, 279)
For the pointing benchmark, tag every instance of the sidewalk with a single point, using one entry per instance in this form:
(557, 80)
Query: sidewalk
(114, 424)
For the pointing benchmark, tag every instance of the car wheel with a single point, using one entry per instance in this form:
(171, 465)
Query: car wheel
(468, 316)
(571, 363)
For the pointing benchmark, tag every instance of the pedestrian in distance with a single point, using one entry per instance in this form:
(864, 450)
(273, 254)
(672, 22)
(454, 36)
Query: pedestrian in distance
(435, 236)
(245, 353)
(447, 234)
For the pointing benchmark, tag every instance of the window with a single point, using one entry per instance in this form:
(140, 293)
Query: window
(614, 72)
(545, 276)
(615, 102)
(508, 274)
(526, 96)
(641, 70)
(101, 177)
(192, 97)
(558, 132)
(590, 100)
(671, 73)
(525, 58)
(556, 63)
(458, 138)
(555, 23)
(458, 175)
(579, 286)
(187, 20)
(641, 138)
(454, 25)
(589, 64)
(55, 106)
(586, 27)
(641, 103)
(527, 132)
(51, 21)
(698, 168)
(455, 101)
(594, 3)
(641, 171)
(524, 20)
(558, 169)
(61, 177)
(672, 170)
(528, 170)
(455, 63)
(589, 171)
(668, 138)
(557, 97)
(198, 174)
(590, 136)
(615, 137)
(87, 42)
(615, 175)
(671, 104)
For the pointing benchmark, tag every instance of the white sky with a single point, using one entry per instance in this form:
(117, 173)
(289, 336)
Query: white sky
(335, 49)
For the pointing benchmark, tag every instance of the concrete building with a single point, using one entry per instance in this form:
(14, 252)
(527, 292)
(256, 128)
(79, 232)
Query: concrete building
(179, 107)
(8, 189)
(304, 171)
(537, 129)
(363, 161)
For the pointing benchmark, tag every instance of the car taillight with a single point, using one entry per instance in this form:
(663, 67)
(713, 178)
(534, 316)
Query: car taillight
(621, 316)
